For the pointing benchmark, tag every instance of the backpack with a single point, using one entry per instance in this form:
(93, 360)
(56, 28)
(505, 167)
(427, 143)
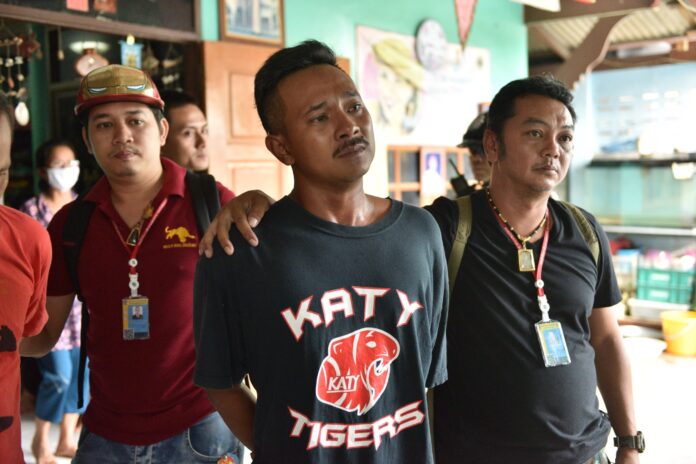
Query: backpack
(464, 230)
(206, 203)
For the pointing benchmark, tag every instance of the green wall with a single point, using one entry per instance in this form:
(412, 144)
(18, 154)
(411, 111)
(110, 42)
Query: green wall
(210, 26)
(498, 26)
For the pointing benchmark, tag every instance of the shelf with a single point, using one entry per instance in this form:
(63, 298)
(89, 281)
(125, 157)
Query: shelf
(644, 230)
(636, 160)
(641, 322)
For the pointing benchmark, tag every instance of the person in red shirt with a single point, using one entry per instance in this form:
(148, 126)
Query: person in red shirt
(25, 257)
(138, 256)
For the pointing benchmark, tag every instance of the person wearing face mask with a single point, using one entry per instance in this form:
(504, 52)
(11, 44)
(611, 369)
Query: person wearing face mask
(56, 399)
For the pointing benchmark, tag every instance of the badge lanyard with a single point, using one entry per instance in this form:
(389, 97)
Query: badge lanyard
(136, 308)
(549, 332)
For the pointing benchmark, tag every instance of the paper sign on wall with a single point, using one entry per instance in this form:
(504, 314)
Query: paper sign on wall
(106, 6)
(77, 5)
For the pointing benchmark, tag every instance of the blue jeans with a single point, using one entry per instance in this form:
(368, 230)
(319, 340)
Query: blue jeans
(57, 393)
(205, 442)
(600, 458)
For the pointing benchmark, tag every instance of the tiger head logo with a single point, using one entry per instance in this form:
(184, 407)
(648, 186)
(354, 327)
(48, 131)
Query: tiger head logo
(356, 371)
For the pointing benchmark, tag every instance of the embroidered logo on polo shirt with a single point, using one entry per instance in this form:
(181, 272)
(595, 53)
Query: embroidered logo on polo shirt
(356, 371)
(185, 239)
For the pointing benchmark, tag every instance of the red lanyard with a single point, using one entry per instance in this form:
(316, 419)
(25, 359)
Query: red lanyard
(132, 261)
(539, 283)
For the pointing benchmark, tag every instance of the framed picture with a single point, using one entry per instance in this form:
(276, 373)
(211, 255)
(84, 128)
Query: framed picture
(432, 171)
(252, 20)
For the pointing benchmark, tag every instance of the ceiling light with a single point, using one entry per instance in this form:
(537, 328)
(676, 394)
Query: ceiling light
(81, 45)
(651, 49)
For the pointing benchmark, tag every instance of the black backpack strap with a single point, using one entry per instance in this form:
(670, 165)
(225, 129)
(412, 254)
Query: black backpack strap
(205, 198)
(74, 232)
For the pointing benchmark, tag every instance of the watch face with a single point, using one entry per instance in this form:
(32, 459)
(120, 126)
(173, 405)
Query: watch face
(431, 44)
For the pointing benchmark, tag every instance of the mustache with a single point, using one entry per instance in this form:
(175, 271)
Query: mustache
(348, 144)
(549, 164)
(127, 148)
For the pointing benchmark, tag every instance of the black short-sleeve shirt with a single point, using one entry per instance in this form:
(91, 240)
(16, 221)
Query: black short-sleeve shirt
(500, 404)
(341, 328)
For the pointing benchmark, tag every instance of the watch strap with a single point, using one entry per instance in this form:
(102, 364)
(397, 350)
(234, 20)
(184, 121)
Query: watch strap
(636, 442)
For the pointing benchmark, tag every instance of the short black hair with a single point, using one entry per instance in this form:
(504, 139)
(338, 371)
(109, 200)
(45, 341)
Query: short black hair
(503, 105)
(280, 65)
(44, 151)
(174, 99)
(7, 109)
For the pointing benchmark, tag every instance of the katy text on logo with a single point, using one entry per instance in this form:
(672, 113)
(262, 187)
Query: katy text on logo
(363, 435)
(355, 373)
(340, 300)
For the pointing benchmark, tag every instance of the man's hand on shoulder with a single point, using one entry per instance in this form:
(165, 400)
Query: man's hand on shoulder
(245, 212)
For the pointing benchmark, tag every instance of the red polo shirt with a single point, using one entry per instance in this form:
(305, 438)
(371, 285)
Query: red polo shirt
(25, 255)
(142, 390)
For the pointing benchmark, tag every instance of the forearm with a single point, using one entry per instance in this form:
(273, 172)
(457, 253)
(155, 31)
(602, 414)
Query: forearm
(614, 379)
(37, 346)
(58, 308)
(615, 384)
(237, 407)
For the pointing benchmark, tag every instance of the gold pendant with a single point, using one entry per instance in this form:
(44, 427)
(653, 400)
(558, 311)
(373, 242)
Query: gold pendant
(525, 260)
(134, 235)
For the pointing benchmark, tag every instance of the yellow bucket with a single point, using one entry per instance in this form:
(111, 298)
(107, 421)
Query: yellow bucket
(679, 329)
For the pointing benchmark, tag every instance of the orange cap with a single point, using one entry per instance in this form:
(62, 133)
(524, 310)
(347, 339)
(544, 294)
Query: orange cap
(116, 83)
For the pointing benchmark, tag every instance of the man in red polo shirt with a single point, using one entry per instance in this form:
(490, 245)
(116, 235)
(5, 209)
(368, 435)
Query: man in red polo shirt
(25, 256)
(135, 270)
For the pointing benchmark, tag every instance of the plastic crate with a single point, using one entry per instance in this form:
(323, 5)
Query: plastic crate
(676, 295)
(666, 278)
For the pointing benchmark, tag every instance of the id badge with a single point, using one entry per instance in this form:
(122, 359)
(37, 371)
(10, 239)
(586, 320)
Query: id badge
(553, 344)
(136, 318)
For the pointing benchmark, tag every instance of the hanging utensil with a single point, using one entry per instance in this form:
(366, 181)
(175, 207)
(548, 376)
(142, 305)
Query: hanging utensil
(150, 63)
(18, 62)
(21, 109)
(60, 55)
(22, 113)
(9, 62)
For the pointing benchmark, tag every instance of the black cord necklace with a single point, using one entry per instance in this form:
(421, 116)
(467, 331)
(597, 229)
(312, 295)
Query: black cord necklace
(525, 255)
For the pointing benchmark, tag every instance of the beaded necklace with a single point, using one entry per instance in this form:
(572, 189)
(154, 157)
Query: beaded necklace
(525, 256)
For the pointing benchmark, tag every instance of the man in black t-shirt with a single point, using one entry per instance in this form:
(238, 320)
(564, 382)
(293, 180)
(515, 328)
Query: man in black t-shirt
(339, 318)
(513, 395)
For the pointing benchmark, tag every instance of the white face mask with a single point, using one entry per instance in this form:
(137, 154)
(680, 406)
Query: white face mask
(63, 179)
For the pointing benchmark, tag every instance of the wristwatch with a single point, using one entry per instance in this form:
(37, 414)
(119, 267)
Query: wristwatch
(637, 442)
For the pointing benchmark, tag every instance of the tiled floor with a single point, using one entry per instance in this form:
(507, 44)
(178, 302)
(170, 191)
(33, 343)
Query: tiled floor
(665, 397)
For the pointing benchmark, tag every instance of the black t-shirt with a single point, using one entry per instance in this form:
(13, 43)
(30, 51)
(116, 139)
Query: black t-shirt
(500, 404)
(341, 328)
